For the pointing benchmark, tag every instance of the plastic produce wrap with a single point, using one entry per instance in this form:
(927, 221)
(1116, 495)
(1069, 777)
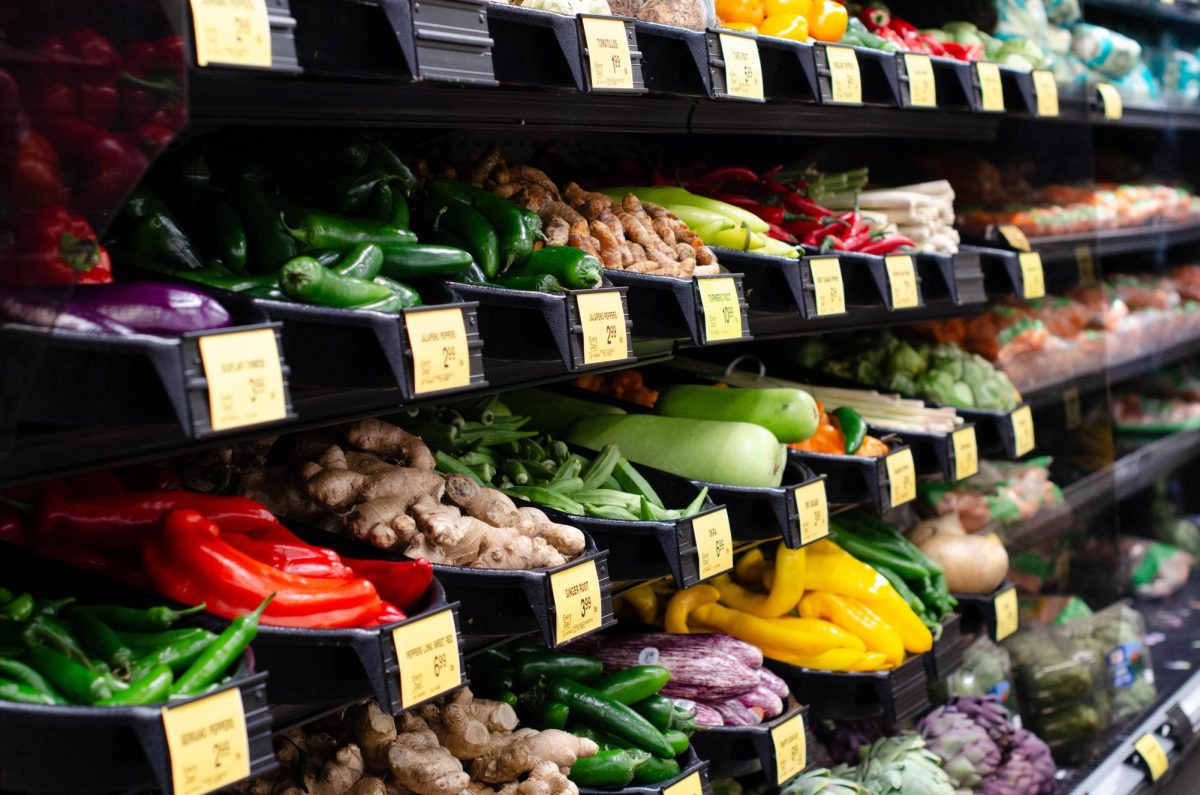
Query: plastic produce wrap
(1105, 51)
(1119, 636)
(1063, 12)
(1002, 492)
(986, 670)
(1153, 569)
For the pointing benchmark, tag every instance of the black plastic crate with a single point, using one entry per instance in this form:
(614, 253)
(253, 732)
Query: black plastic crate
(734, 751)
(995, 430)
(537, 48)
(947, 652)
(937, 453)
(669, 308)
(951, 280)
(878, 77)
(764, 512)
(674, 60)
(898, 694)
(979, 611)
(951, 80)
(854, 479)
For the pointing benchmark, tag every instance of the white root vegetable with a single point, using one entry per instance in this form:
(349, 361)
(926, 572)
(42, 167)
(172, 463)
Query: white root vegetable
(972, 563)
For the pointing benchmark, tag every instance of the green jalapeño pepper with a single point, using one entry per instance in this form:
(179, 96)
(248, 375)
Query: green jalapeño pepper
(384, 159)
(574, 268)
(403, 295)
(364, 261)
(221, 233)
(269, 243)
(405, 261)
(303, 279)
(853, 427)
(313, 230)
(507, 218)
(159, 238)
(476, 233)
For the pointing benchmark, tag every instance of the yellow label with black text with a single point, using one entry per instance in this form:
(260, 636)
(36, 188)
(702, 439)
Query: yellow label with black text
(232, 32)
(922, 88)
(1046, 88)
(1153, 754)
(743, 70)
(441, 358)
(902, 476)
(714, 543)
(966, 453)
(1111, 99)
(577, 607)
(1014, 237)
(688, 786)
(1008, 617)
(1072, 408)
(991, 90)
(791, 749)
(427, 651)
(1085, 264)
(812, 509)
(245, 379)
(608, 53)
(902, 280)
(1022, 425)
(844, 78)
(207, 742)
(722, 308)
(1033, 278)
(602, 316)
(827, 285)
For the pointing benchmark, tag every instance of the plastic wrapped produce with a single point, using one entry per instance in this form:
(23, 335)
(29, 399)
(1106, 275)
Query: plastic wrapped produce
(1063, 12)
(1105, 51)
(1153, 569)
(1120, 632)
(986, 670)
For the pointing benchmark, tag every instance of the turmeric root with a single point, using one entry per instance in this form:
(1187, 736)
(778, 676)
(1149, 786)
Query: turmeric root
(382, 438)
(489, 505)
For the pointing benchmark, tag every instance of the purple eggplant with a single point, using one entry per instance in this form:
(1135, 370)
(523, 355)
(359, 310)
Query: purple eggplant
(19, 306)
(699, 668)
(705, 715)
(770, 704)
(772, 682)
(746, 653)
(735, 713)
(138, 308)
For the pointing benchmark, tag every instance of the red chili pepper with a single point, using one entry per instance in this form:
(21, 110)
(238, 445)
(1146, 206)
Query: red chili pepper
(804, 205)
(52, 246)
(779, 233)
(771, 213)
(123, 521)
(79, 79)
(801, 225)
(856, 241)
(401, 582)
(35, 178)
(737, 200)
(97, 483)
(730, 174)
(903, 27)
(107, 166)
(963, 52)
(932, 45)
(774, 187)
(887, 245)
(12, 525)
(299, 559)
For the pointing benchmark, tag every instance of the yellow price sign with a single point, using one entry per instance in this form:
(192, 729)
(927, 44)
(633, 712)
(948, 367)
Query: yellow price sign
(743, 70)
(1111, 99)
(610, 65)
(441, 358)
(232, 32)
(902, 476)
(207, 742)
(991, 90)
(827, 285)
(577, 601)
(1033, 278)
(1022, 425)
(1072, 408)
(602, 316)
(902, 280)
(1085, 263)
(245, 379)
(427, 651)
(922, 87)
(1008, 616)
(1047, 93)
(1014, 237)
(687, 786)
(812, 510)
(966, 453)
(1153, 754)
(722, 308)
(791, 749)
(844, 78)
(714, 543)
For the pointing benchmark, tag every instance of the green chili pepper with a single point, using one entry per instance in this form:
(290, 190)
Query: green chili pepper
(551, 715)
(46, 630)
(99, 639)
(303, 279)
(531, 667)
(351, 193)
(220, 231)
(678, 740)
(322, 156)
(420, 260)
(158, 237)
(608, 715)
(72, 679)
(657, 710)
(539, 283)
(473, 228)
(406, 295)
(25, 694)
(151, 619)
(605, 769)
(142, 203)
(149, 641)
(177, 655)
(398, 214)
(574, 268)
(655, 769)
(364, 261)
(384, 159)
(222, 653)
(508, 697)
(269, 244)
(316, 230)
(632, 685)
(18, 609)
(151, 688)
(853, 427)
(507, 218)
(21, 673)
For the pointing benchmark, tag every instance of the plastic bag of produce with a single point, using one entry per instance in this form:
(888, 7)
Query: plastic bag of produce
(694, 14)
(1152, 569)
(986, 670)
(1063, 12)
(1021, 18)
(1119, 634)
(1105, 51)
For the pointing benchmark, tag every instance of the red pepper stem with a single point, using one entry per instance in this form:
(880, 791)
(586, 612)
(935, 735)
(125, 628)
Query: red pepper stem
(152, 85)
(81, 254)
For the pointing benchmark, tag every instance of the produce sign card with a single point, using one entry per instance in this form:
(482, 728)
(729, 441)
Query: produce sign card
(1151, 751)
(610, 65)
(829, 292)
(232, 32)
(902, 476)
(991, 90)
(812, 509)
(966, 453)
(576, 594)
(722, 308)
(743, 69)
(245, 379)
(691, 785)
(207, 742)
(1007, 614)
(1033, 278)
(714, 543)
(1047, 92)
(440, 356)
(602, 316)
(1111, 98)
(427, 651)
(1014, 237)
(791, 749)
(1022, 425)
(922, 88)
(902, 279)
(844, 78)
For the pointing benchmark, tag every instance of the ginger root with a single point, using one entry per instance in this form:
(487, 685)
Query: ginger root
(382, 438)
(420, 763)
(489, 505)
(568, 540)
(510, 755)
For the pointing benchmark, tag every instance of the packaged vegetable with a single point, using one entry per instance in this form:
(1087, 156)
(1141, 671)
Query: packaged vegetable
(986, 670)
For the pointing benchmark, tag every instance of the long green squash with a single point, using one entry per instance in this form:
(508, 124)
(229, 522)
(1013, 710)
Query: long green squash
(790, 414)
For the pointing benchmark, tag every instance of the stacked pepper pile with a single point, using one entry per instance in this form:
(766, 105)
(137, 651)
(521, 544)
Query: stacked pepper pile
(823, 20)
(874, 25)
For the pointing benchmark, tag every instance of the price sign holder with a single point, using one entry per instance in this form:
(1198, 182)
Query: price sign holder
(812, 511)
(966, 452)
(758, 513)
(235, 378)
(601, 332)
(828, 290)
(1007, 611)
(735, 68)
(713, 538)
(1149, 749)
(1085, 264)
(978, 611)
(845, 78)
(857, 479)
(231, 35)
(1024, 440)
(612, 62)
(777, 746)
(918, 80)
(428, 653)
(902, 477)
(990, 87)
(1033, 277)
(904, 291)
(878, 81)
(1045, 86)
(1072, 408)
(692, 780)
(1110, 101)
(722, 308)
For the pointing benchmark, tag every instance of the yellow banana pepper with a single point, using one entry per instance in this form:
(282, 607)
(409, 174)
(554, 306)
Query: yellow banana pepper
(824, 547)
(760, 631)
(873, 661)
(644, 603)
(683, 603)
(749, 567)
(832, 660)
(785, 593)
(814, 626)
(856, 618)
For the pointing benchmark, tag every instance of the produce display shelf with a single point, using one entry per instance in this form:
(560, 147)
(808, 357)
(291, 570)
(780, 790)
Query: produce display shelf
(734, 751)
(1183, 13)
(1061, 249)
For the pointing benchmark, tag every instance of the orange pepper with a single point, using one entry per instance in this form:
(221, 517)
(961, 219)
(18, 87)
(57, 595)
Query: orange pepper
(788, 8)
(785, 27)
(748, 12)
(872, 446)
(744, 27)
(827, 439)
(828, 20)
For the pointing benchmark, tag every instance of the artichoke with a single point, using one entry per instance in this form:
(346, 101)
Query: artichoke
(902, 766)
(843, 739)
(822, 782)
(988, 713)
(968, 754)
(1028, 770)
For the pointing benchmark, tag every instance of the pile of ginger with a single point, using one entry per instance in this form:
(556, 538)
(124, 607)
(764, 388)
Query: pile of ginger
(460, 746)
(376, 482)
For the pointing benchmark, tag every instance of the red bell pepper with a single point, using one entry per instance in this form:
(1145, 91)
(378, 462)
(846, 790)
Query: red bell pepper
(35, 179)
(53, 247)
(79, 79)
(152, 84)
(106, 167)
(963, 52)
(875, 16)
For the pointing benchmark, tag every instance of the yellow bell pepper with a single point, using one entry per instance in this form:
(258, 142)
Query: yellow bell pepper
(684, 603)
(825, 547)
(839, 637)
(856, 618)
(644, 603)
(749, 567)
(787, 588)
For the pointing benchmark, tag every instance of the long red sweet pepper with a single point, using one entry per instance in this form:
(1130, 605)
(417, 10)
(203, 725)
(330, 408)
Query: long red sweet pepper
(79, 74)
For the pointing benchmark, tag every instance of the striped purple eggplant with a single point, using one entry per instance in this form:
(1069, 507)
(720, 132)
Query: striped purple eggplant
(764, 699)
(772, 682)
(735, 713)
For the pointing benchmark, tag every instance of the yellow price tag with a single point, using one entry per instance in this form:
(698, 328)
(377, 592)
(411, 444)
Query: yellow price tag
(991, 90)
(902, 476)
(1072, 408)
(1008, 616)
(743, 70)
(791, 749)
(604, 333)
(714, 543)
(1033, 278)
(207, 742)
(812, 509)
(1022, 425)
(608, 52)
(1014, 237)
(688, 786)
(1152, 753)
(441, 359)
(576, 594)
(1085, 262)
(722, 309)
(843, 75)
(232, 32)
(245, 380)
(1113, 109)
(427, 651)
(902, 280)
(1047, 92)
(827, 285)
(922, 88)
(966, 453)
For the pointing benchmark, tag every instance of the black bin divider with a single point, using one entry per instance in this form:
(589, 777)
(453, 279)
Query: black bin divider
(877, 74)
(765, 512)
(951, 280)
(674, 60)
(853, 478)
(994, 434)
(669, 308)
(947, 653)
(898, 694)
(113, 748)
(774, 290)
(978, 611)
(1001, 270)
(1019, 93)
(718, 83)
(689, 765)
(735, 751)
(534, 47)
(789, 69)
